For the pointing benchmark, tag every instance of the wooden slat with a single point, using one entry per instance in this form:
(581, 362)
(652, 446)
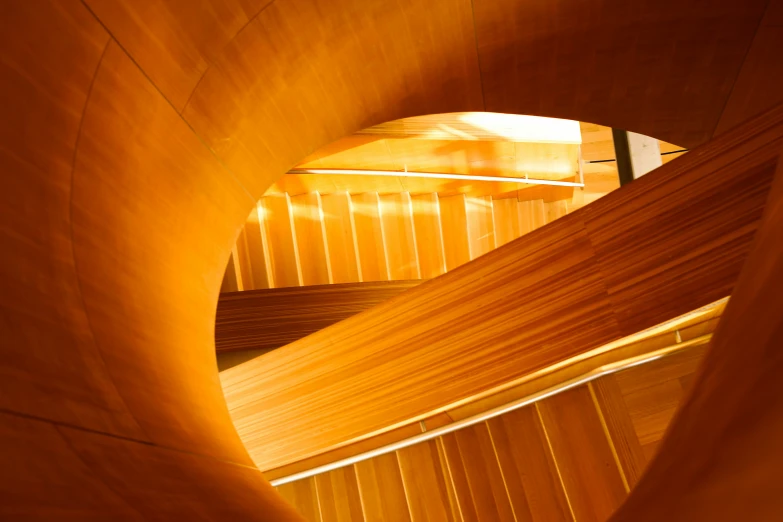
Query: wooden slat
(267, 319)
(506, 220)
(251, 254)
(280, 241)
(531, 215)
(369, 237)
(478, 481)
(426, 485)
(382, 490)
(312, 250)
(587, 465)
(232, 279)
(453, 219)
(303, 496)
(620, 428)
(529, 471)
(399, 236)
(341, 238)
(429, 236)
(338, 496)
(480, 225)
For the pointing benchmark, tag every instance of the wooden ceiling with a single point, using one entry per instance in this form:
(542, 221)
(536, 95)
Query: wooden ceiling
(137, 135)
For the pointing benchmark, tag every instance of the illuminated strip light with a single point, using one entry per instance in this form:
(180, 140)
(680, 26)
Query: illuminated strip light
(436, 175)
(569, 384)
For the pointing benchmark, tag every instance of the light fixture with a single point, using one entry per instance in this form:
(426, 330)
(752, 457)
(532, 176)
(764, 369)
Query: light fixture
(436, 175)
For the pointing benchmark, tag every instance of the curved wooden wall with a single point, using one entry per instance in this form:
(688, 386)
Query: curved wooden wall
(136, 135)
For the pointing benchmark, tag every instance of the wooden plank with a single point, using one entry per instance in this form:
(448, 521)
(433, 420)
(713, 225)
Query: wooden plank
(382, 490)
(338, 496)
(478, 481)
(429, 236)
(279, 237)
(620, 428)
(426, 485)
(268, 319)
(506, 219)
(480, 225)
(369, 237)
(341, 238)
(531, 215)
(587, 465)
(399, 236)
(251, 254)
(312, 250)
(232, 279)
(529, 470)
(303, 496)
(454, 225)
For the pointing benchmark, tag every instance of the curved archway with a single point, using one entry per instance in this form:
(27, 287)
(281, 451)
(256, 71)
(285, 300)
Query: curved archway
(127, 176)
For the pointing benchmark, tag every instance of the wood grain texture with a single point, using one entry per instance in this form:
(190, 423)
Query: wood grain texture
(454, 227)
(529, 470)
(620, 428)
(279, 237)
(107, 314)
(382, 490)
(341, 238)
(429, 235)
(428, 487)
(579, 282)
(721, 457)
(584, 457)
(268, 319)
(370, 241)
(303, 495)
(399, 236)
(475, 471)
(312, 248)
(338, 496)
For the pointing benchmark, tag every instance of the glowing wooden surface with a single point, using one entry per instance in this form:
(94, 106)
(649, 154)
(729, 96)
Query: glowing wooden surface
(581, 281)
(109, 289)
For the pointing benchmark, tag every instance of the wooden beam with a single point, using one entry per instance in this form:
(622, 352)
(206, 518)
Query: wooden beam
(262, 320)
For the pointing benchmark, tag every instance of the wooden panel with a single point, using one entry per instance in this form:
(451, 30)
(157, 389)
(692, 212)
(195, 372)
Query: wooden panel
(382, 490)
(429, 236)
(454, 225)
(369, 237)
(478, 481)
(480, 225)
(268, 319)
(555, 210)
(506, 220)
(252, 255)
(341, 238)
(399, 363)
(757, 88)
(175, 43)
(338, 496)
(514, 36)
(721, 457)
(426, 484)
(312, 250)
(620, 428)
(583, 455)
(529, 471)
(400, 237)
(280, 241)
(531, 215)
(232, 279)
(653, 392)
(302, 494)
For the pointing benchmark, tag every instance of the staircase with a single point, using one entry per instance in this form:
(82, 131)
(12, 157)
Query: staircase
(315, 239)
(570, 457)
